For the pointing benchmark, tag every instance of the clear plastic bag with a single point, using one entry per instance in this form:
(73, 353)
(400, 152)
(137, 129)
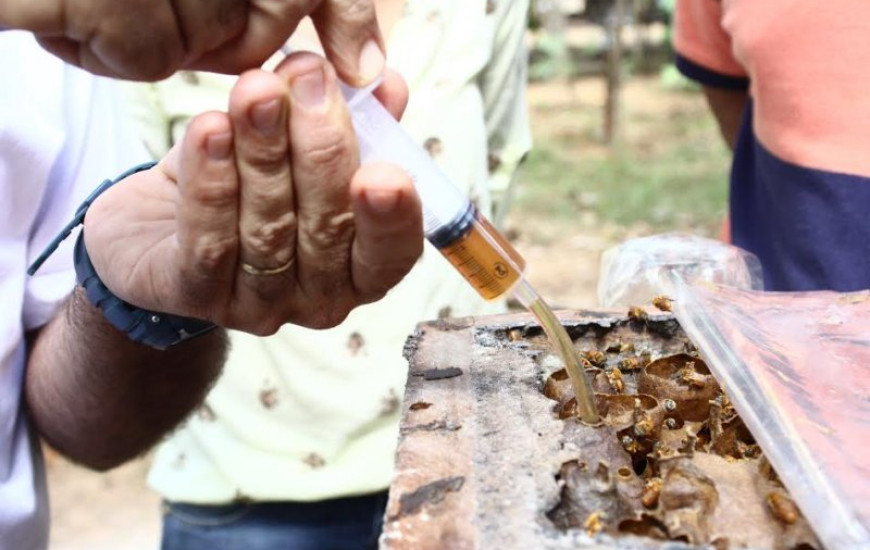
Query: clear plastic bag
(796, 366)
(635, 271)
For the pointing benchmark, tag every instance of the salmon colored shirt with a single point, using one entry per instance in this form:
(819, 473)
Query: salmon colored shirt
(800, 181)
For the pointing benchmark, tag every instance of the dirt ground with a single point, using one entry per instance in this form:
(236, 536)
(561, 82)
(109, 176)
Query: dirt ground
(112, 511)
(117, 511)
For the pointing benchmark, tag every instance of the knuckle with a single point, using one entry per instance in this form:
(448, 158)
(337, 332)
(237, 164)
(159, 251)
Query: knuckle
(333, 233)
(328, 153)
(268, 158)
(356, 11)
(271, 235)
(210, 254)
(214, 195)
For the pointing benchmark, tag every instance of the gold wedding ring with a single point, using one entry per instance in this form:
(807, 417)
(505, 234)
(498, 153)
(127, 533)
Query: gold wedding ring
(260, 272)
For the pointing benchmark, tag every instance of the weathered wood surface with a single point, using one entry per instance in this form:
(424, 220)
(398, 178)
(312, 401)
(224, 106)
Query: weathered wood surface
(480, 446)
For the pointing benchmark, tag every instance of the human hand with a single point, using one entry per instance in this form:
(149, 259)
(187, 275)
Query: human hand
(151, 39)
(251, 228)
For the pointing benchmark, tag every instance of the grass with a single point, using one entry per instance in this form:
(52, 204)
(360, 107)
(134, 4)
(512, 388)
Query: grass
(668, 171)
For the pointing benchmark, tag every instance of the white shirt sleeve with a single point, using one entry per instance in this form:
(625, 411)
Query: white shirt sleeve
(71, 135)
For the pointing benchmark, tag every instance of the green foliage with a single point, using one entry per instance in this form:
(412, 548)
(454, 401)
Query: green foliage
(550, 59)
(673, 178)
(667, 5)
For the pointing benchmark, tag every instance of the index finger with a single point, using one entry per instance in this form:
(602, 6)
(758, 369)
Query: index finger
(208, 211)
(348, 30)
(351, 39)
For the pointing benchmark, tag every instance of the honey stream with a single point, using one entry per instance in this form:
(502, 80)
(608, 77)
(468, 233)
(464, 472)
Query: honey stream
(583, 393)
(492, 266)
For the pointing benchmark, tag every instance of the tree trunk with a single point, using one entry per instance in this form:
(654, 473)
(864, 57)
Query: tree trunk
(613, 68)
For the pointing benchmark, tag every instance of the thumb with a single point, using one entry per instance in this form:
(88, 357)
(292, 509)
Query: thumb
(39, 17)
(351, 39)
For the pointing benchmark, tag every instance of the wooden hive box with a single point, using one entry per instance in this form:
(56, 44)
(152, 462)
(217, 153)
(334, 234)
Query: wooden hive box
(485, 461)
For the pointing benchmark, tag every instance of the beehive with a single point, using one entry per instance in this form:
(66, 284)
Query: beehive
(490, 456)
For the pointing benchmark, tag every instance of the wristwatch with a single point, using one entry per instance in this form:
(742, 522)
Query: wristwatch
(154, 329)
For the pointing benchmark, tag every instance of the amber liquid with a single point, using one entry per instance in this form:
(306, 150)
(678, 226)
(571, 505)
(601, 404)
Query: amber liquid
(583, 393)
(491, 264)
(476, 255)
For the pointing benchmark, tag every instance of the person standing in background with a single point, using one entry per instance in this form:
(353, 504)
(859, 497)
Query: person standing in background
(788, 82)
(294, 446)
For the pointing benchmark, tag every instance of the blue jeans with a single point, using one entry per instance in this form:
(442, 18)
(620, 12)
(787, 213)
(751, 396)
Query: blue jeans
(352, 523)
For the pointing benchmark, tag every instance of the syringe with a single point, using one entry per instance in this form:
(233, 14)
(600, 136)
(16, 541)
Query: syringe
(463, 235)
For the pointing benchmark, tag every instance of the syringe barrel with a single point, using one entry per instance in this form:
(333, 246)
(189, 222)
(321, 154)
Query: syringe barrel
(451, 222)
(381, 138)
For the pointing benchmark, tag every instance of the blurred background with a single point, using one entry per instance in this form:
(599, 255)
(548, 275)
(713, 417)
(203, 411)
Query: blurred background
(623, 147)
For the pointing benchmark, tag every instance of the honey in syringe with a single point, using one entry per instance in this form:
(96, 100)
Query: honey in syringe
(493, 267)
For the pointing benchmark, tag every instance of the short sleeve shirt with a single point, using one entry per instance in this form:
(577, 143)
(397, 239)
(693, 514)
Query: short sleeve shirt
(309, 415)
(800, 180)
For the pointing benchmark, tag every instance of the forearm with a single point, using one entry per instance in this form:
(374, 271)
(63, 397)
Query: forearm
(102, 399)
(727, 107)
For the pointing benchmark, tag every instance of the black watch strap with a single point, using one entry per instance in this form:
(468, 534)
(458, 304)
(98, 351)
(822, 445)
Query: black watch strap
(157, 330)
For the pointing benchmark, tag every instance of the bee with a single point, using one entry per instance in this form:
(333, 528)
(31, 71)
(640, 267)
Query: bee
(689, 377)
(596, 357)
(643, 424)
(620, 347)
(782, 508)
(636, 313)
(643, 427)
(614, 378)
(651, 491)
(663, 303)
(748, 450)
(689, 444)
(630, 364)
(727, 408)
(630, 445)
(593, 523)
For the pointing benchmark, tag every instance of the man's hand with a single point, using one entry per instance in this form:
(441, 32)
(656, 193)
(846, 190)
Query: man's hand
(151, 39)
(262, 216)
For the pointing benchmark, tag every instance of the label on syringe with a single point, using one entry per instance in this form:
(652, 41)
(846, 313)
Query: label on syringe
(486, 259)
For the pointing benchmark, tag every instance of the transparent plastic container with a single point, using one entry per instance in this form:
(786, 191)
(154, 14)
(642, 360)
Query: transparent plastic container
(796, 366)
(635, 271)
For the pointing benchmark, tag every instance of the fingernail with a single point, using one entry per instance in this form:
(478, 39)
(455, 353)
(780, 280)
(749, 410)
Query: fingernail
(265, 116)
(308, 89)
(371, 62)
(218, 146)
(381, 202)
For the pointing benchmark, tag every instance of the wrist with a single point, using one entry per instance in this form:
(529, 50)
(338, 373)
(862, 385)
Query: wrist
(151, 328)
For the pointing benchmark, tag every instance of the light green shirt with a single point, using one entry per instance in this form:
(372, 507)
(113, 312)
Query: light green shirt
(308, 415)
